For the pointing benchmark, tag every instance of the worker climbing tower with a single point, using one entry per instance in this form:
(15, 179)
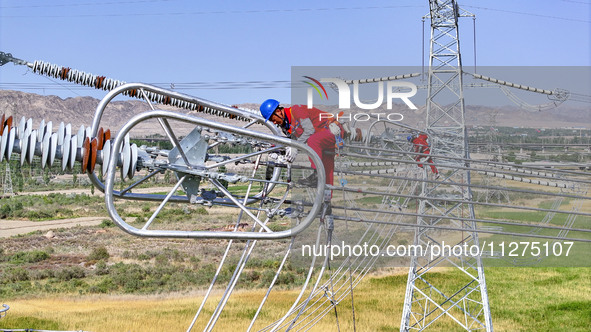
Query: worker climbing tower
(429, 301)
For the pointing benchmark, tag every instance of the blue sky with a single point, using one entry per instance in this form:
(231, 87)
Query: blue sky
(183, 41)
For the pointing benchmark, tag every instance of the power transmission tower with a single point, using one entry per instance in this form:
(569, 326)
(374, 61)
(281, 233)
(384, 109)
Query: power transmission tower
(492, 138)
(493, 150)
(7, 185)
(427, 298)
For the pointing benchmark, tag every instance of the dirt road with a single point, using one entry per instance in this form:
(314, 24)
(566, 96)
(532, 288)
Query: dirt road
(96, 192)
(10, 228)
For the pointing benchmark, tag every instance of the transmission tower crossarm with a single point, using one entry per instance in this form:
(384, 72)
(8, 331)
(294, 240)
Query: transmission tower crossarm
(7, 57)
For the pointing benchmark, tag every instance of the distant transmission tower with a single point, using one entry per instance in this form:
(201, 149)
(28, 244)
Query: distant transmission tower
(492, 144)
(7, 185)
(427, 298)
(493, 149)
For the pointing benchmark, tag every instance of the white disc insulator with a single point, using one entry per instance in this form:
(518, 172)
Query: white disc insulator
(41, 131)
(80, 135)
(106, 156)
(24, 144)
(73, 150)
(68, 130)
(3, 143)
(10, 145)
(52, 148)
(133, 162)
(20, 129)
(66, 151)
(125, 161)
(48, 128)
(32, 144)
(61, 132)
(45, 150)
(88, 133)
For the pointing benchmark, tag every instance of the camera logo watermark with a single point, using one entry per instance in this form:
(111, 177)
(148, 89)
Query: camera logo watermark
(344, 92)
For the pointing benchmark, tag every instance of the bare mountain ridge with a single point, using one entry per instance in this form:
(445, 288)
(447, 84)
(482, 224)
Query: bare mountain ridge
(77, 111)
(80, 111)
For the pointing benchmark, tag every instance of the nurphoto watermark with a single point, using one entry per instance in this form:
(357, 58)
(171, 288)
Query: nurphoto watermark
(433, 251)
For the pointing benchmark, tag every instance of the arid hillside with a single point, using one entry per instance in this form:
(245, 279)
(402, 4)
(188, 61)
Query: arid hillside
(80, 110)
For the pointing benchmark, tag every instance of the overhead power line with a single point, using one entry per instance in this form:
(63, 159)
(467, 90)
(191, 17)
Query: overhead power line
(529, 14)
(172, 85)
(254, 11)
(95, 3)
(581, 2)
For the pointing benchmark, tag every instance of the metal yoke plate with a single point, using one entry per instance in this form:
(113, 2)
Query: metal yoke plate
(195, 149)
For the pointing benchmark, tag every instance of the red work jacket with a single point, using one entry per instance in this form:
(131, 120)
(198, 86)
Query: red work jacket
(305, 121)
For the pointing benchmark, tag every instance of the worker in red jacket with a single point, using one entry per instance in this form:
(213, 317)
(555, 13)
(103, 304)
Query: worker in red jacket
(318, 129)
(421, 145)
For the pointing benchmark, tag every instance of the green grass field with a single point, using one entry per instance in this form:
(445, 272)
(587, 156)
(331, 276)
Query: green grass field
(521, 299)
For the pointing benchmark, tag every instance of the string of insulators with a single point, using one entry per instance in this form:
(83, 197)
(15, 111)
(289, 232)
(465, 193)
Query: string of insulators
(107, 84)
(371, 164)
(525, 180)
(383, 79)
(64, 145)
(513, 85)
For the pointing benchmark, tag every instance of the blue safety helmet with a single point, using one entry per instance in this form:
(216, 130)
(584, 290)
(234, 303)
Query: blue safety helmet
(409, 138)
(268, 107)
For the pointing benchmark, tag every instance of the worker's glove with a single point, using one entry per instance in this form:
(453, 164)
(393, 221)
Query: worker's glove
(277, 158)
(290, 154)
(334, 129)
(327, 195)
(273, 157)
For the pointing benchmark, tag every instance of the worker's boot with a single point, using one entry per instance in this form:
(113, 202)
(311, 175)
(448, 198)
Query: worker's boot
(346, 131)
(309, 181)
(327, 200)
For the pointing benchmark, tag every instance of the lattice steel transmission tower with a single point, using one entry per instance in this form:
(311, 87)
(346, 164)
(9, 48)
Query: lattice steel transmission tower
(492, 185)
(463, 300)
(7, 185)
